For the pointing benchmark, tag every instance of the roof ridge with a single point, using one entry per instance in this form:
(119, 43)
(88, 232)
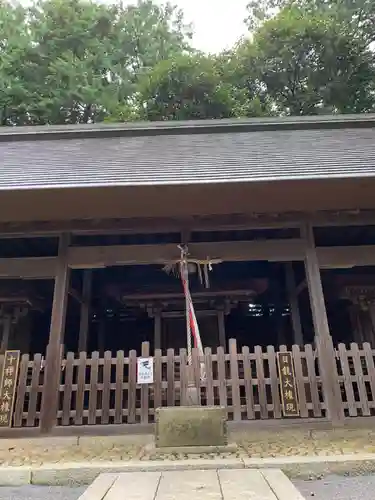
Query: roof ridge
(232, 125)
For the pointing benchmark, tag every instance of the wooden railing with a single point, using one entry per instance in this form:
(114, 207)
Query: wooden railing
(104, 390)
(356, 373)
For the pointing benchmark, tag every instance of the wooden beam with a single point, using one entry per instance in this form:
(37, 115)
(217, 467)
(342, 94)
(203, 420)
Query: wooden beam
(181, 314)
(206, 295)
(201, 223)
(28, 267)
(102, 256)
(271, 250)
(293, 301)
(56, 338)
(323, 339)
(346, 256)
(149, 225)
(85, 311)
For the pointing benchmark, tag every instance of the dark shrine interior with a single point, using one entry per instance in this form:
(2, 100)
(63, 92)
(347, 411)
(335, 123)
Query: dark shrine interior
(122, 295)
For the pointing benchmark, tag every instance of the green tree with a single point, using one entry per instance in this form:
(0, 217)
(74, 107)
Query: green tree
(186, 87)
(14, 44)
(81, 60)
(360, 14)
(309, 59)
(238, 69)
(148, 33)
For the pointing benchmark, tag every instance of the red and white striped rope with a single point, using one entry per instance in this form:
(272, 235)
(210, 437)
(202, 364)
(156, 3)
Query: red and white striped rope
(192, 323)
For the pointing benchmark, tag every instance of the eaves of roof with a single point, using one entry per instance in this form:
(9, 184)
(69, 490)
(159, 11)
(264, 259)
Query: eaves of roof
(235, 125)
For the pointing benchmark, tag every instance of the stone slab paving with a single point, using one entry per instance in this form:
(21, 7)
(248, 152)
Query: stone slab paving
(329, 488)
(197, 485)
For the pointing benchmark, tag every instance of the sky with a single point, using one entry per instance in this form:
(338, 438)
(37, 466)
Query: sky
(218, 24)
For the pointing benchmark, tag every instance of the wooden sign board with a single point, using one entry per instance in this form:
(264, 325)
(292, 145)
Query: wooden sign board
(8, 387)
(288, 387)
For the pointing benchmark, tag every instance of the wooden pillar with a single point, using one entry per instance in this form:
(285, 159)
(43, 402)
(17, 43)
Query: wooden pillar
(85, 311)
(323, 339)
(355, 321)
(56, 337)
(367, 326)
(157, 328)
(6, 329)
(371, 311)
(101, 335)
(221, 327)
(293, 302)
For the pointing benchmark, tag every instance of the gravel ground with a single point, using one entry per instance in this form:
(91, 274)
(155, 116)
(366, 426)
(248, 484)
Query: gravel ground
(338, 488)
(262, 443)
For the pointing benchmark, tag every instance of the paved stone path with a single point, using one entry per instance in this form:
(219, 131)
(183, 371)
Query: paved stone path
(40, 493)
(268, 484)
(339, 488)
(330, 488)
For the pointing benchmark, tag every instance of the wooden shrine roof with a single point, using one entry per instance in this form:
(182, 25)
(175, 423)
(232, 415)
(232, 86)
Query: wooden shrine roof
(192, 152)
(209, 167)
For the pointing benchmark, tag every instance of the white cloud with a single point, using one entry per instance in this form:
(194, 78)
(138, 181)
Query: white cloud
(218, 24)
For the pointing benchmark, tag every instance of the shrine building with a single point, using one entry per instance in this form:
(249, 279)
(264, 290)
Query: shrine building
(280, 211)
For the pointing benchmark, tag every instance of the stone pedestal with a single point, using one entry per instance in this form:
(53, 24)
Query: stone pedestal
(186, 426)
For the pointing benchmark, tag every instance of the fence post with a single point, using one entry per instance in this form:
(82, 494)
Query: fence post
(145, 353)
(234, 375)
(49, 408)
(329, 376)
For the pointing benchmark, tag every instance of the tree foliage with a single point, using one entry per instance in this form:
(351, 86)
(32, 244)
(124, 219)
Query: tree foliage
(314, 56)
(311, 63)
(186, 87)
(81, 61)
(73, 61)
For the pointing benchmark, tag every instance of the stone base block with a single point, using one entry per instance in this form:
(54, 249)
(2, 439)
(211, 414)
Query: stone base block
(191, 450)
(191, 426)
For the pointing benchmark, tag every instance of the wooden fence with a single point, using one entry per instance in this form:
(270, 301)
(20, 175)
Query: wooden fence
(356, 374)
(104, 390)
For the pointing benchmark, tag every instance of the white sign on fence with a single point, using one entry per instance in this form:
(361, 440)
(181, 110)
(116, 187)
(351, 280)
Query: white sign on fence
(145, 371)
